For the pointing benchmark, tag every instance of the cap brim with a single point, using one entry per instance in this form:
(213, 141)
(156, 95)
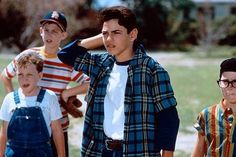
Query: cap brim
(42, 22)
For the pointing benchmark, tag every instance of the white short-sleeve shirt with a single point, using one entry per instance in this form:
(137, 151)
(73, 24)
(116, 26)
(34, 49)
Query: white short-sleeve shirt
(49, 105)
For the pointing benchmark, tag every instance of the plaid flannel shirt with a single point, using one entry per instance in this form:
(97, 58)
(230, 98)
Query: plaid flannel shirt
(148, 91)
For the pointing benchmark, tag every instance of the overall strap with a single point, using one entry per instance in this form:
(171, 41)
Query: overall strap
(16, 97)
(41, 95)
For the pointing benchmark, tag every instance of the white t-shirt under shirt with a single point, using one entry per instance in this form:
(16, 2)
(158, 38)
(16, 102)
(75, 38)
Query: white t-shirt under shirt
(114, 102)
(50, 106)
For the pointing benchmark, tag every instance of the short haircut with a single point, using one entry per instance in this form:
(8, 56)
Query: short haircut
(228, 65)
(30, 57)
(124, 15)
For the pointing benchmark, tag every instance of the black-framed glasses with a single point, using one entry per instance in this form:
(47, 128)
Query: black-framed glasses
(226, 83)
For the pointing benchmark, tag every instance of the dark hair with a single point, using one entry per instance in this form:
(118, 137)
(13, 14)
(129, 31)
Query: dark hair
(124, 15)
(228, 65)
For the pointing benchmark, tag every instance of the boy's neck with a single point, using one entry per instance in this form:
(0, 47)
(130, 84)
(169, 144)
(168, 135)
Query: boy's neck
(33, 92)
(50, 51)
(231, 105)
(125, 57)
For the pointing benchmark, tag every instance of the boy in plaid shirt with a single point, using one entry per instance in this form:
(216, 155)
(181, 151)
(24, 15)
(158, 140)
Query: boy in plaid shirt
(131, 105)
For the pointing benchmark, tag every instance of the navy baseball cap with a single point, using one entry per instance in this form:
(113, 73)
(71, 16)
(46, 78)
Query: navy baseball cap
(57, 18)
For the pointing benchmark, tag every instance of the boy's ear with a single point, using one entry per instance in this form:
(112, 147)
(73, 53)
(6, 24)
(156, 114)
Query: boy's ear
(134, 34)
(40, 31)
(64, 35)
(40, 75)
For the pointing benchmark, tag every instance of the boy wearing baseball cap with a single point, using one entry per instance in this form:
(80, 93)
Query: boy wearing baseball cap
(56, 75)
(216, 124)
(55, 17)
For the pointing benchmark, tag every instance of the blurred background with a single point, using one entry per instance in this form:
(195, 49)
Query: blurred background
(164, 24)
(189, 38)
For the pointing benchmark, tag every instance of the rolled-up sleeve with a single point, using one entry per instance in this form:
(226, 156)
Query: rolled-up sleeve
(70, 52)
(200, 124)
(162, 91)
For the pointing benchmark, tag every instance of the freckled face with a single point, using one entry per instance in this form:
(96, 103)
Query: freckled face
(28, 78)
(52, 35)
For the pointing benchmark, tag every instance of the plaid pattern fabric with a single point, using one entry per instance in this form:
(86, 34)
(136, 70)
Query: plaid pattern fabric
(148, 91)
(217, 124)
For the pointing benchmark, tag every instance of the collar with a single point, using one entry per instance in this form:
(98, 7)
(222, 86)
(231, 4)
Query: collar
(47, 55)
(227, 112)
(137, 60)
(140, 53)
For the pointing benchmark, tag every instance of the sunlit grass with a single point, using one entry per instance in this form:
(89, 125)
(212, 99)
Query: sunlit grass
(195, 88)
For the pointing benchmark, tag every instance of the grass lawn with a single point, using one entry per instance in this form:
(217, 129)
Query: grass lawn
(194, 86)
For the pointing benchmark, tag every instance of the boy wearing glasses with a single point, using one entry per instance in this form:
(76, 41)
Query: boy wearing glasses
(216, 124)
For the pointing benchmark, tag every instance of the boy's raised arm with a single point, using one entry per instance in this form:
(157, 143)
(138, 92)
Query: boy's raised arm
(91, 42)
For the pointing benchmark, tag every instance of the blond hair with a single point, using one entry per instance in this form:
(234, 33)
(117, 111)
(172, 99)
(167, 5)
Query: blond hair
(30, 57)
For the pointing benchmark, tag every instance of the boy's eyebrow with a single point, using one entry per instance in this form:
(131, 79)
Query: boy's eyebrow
(116, 30)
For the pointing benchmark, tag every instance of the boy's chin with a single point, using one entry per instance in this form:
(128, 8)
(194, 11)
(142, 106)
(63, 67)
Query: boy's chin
(233, 101)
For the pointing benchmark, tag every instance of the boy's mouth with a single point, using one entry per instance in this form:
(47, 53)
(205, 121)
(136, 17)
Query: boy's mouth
(25, 85)
(110, 46)
(48, 40)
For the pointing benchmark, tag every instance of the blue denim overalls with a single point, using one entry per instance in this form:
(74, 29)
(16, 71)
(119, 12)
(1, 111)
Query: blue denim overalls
(27, 132)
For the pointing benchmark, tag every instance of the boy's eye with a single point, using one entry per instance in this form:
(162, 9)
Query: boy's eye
(104, 33)
(55, 31)
(117, 32)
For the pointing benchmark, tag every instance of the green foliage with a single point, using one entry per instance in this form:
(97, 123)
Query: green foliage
(163, 22)
(13, 22)
(225, 30)
(20, 20)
